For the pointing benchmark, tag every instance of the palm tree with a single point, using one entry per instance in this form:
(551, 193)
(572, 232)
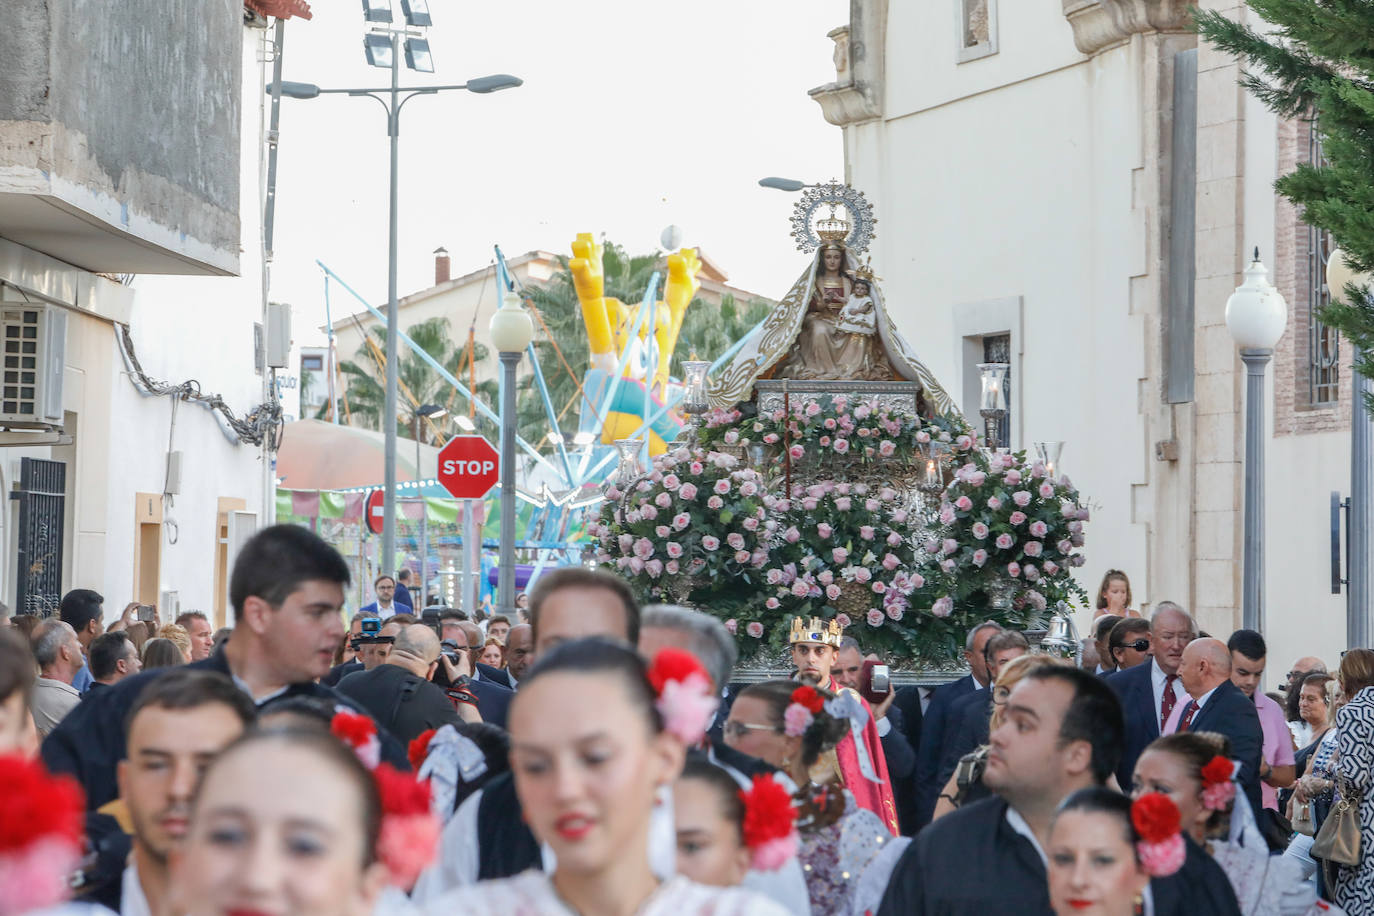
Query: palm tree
(366, 378)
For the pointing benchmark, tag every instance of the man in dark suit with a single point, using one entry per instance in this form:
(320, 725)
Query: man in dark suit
(967, 724)
(936, 719)
(1061, 732)
(901, 757)
(1217, 705)
(909, 706)
(473, 641)
(398, 693)
(1149, 692)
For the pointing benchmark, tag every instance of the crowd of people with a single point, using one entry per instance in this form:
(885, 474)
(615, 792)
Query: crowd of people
(591, 756)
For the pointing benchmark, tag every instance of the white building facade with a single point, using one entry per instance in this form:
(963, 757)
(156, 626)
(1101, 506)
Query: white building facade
(1075, 188)
(152, 252)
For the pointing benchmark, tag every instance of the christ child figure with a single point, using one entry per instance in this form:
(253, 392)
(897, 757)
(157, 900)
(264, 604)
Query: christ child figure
(858, 315)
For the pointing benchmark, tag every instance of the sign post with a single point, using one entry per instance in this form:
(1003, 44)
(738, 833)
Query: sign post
(469, 468)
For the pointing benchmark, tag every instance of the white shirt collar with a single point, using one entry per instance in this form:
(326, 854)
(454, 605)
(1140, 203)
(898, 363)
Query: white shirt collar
(132, 901)
(1199, 701)
(1018, 823)
(1157, 674)
(976, 684)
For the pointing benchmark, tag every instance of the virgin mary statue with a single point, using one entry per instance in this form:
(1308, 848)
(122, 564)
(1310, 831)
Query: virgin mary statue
(805, 338)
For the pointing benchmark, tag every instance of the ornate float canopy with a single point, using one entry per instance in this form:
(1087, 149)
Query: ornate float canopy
(849, 218)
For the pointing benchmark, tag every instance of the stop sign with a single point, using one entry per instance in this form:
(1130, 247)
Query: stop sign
(468, 467)
(373, 510)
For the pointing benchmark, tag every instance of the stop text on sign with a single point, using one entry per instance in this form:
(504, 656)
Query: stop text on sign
(470, 468)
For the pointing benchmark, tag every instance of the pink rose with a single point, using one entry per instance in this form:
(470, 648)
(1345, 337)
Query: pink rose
(1031, 572)
(949, 547)
(894, 539)
(832, 592)
(671, 482)
(891, 562)
(808, 504)
(1039, 529)
(980, 530)
(841, 446)
(1046, 490)
(963, 504)
(895, 612)
(824, 441)
(879, 586)
(1013, 477)
(800, 588)
(796, 452)
(1050, 567)
(866, 532)
(742, 556)
(673, 549)
(980, 557)
(977, 478)
(626, 542)
(748, 488)
(862, 575)
(843, 503)
(829, 423)
(636, 565)
(791, 535)
(1017, 517)
(1003, 541)
(681, 520)
(825, 577)
(709, 542)
(963, 443)
(812, 409)
(947, 514)
(1021, 497)
(843, 620)
(943, 606)
(839, 554)
(899, 517)
(1013, 569)
(875, 618)
(923, 437)
(687, 491)
(648, 512)
(1065, 546)
(994, 503)
(644, 548)
(671, 567)
(714, 502)
(750, 524)
(948, 565)
(887, 448)
(662, 531)
(735, 540)
(722, 486)
(1033, 549)
(731, 626)
(824, 530)
(654, 568)
(754, 629)
(772, 604)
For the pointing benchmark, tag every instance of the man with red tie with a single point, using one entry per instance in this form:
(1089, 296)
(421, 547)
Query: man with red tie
(1214, 704)
(1149, 692)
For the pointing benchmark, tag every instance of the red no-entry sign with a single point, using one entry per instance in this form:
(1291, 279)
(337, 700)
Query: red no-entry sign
(468, 467)
(373, 511)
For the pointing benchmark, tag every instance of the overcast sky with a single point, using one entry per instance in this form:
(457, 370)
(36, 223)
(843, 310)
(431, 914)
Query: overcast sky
(634, 114)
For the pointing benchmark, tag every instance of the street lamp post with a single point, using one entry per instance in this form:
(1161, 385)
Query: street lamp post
(384, 50)
(511, 332)
(1255, 315)
(433, 412)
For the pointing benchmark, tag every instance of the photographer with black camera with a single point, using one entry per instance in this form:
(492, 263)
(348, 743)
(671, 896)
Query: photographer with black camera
(398, 692)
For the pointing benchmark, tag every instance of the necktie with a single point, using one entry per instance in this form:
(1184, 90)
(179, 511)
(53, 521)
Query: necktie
(1187, 719)
(1166, 704)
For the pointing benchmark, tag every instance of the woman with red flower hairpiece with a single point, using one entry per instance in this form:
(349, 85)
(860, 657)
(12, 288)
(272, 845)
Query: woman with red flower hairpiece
(597, 739)
(846, 850)
(1104, 849)
(1194, 771)
(40, 835)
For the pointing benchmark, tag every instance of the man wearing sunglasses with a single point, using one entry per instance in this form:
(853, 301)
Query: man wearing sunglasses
(1128, 643)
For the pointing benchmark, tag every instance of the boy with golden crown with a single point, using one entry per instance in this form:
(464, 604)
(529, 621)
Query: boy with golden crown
(858, 758)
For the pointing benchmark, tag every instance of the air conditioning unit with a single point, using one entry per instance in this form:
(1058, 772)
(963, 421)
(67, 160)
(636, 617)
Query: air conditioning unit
(33, 348)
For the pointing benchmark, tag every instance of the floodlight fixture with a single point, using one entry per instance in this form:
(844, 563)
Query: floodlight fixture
(296, 90)
(781, 184)
(417, 13)
(379, 49)
(418, 56)
(584, 438)
(464, 423)
(377, 10)
(433, 411)
(556, 438)
(494, 83)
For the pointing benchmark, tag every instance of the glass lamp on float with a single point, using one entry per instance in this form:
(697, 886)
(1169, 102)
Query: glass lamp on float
(629, 468)
(993, 403)
(1049, 453)
(694, 399)
(931, 478)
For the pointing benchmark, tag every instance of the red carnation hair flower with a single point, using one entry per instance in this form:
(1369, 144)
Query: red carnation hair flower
(419, 748)
(401, 792)
(352, 728)
(769, 825)
(807, 696)
(409, 835)
(35, 805)
(1218, 769)
(1155, 817)
(672, 664)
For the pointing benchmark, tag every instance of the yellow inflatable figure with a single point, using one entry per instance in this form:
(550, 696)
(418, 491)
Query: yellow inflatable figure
(609, 322)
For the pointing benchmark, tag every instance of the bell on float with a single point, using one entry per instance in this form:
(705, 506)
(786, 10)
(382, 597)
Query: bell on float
(1062, 638)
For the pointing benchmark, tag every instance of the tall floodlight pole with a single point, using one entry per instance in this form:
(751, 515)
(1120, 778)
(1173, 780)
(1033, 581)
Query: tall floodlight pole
(383, 46)
(1360, 566)
(511, 332)
(1256, 316)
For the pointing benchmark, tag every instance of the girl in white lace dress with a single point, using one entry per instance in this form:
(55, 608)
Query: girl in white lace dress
(591, 746)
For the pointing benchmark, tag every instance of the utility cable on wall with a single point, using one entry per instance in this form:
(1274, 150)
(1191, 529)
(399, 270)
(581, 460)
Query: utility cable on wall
(261, 424)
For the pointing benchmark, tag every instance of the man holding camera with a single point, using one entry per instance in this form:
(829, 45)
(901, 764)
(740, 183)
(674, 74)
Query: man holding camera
(398, 692)
(815, 646)
(873, 681)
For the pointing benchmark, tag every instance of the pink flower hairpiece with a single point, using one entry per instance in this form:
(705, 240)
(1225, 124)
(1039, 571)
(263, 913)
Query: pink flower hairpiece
(41, 823)
(769, 826)
(685, 700)
(1218, 789)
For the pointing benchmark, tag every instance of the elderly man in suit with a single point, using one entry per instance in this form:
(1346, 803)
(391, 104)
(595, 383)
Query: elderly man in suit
(1150, 692)
(1217, 705)
(936, 719)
